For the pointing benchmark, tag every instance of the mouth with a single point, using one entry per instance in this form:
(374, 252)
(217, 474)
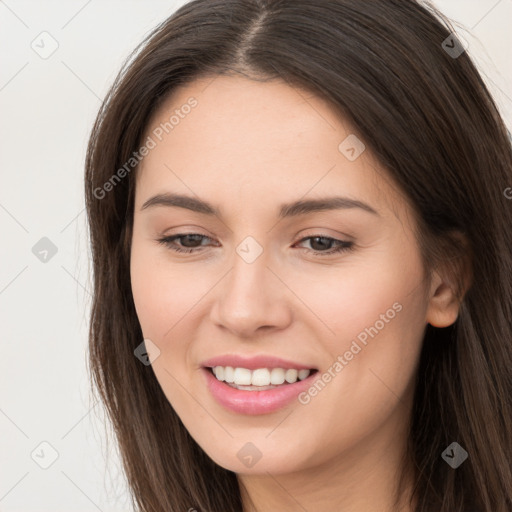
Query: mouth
(260, 379)
(258, 391)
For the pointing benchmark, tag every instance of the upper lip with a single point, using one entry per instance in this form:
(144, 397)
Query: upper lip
(254, 362)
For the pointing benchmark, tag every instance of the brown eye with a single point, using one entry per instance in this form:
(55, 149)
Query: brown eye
(320, 243)
(188, 241)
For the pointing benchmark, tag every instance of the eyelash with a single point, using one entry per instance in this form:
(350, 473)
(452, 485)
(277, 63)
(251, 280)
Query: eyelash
(343, 246)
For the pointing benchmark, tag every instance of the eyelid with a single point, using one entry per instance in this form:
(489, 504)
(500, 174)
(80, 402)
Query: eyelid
(323, 232)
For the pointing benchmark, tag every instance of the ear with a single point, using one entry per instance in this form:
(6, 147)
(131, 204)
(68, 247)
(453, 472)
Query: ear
(444, 304)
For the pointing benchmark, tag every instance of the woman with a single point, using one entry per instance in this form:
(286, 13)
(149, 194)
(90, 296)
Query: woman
(245, 364)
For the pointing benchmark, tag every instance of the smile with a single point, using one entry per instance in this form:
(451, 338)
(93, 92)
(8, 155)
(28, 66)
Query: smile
(259, 379)
(259, 391)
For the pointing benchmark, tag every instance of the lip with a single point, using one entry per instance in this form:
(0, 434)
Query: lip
(255, 402)
(255, 362)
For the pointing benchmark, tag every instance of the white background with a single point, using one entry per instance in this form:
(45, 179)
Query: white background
(47, 109)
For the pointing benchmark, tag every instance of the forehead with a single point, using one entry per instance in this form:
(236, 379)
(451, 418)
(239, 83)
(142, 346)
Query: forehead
(271, 113)
(257, 138)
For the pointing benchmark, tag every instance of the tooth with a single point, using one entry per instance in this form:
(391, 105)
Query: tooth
(277, 376)
(229, 374)
(260, 377)
(291, 376)
(242, 377)
(219, 372)
(303, 374)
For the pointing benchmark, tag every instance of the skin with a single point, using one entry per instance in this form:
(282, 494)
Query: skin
(247, 147)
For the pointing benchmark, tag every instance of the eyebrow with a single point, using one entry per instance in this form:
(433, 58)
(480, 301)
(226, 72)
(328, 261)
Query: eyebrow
(286, 210)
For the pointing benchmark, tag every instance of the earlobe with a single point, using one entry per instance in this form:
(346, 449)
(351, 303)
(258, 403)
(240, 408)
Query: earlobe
(443, 307)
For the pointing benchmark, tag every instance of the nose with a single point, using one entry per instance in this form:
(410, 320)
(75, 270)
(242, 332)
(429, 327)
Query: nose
(251, 299)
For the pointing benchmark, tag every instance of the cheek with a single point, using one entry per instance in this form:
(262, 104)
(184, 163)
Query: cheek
(149, 295)
(372, 381)
(354, 298)
(375, 316)
(163, 299)
(379, 338)
(162, 293)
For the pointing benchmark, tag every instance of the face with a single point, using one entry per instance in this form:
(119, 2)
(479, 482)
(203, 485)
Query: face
(334, 286)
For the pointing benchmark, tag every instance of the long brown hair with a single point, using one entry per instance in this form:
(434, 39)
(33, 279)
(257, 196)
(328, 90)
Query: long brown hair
(427, 116)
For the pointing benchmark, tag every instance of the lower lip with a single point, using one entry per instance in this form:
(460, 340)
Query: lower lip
(255, 402)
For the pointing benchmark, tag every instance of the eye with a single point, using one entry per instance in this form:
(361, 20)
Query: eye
(322, 241)
(191, 242)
